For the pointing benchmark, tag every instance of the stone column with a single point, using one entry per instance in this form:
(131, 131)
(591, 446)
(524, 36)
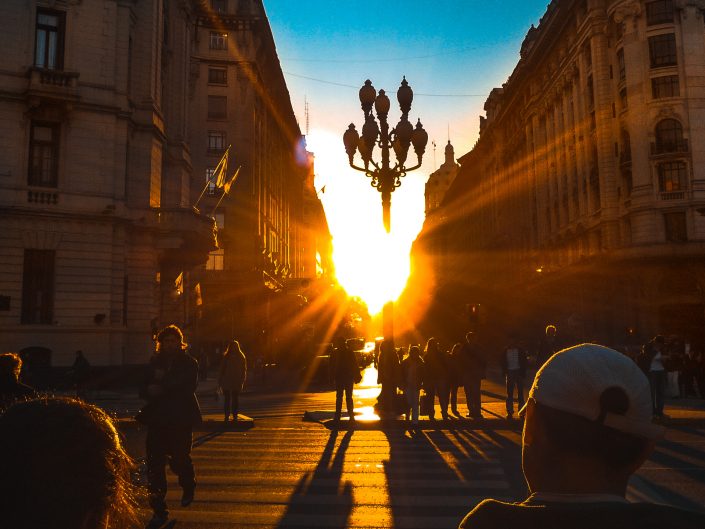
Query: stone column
(603, 134)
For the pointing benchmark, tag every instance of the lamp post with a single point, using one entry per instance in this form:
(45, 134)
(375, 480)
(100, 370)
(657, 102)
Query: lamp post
(375, 133)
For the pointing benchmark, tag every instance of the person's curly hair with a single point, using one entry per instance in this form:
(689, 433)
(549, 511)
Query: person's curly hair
(62, 465)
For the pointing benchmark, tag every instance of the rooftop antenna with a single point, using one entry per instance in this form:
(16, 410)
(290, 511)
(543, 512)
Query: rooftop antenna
(448, 132)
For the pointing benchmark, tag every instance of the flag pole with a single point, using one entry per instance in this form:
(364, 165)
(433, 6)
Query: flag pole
(226, 190)
(214, 175)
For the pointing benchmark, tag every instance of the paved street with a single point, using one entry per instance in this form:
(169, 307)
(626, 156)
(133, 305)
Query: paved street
(286, 472)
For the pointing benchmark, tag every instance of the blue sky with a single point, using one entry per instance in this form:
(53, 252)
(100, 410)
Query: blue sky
(444, 48)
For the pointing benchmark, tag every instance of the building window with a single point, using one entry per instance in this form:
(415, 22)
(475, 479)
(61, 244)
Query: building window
(218, 40)
(217, 107)
(590, 92)
(671, 176)
(49, 46)
(660, 12)
(662, 50)
(219, 6)
(218, 76)
(666, 86)
(676, 228)
(627, 181)
(216, 260)
(669, 137)
(210, 181)
(38, 286)
(43, 154)
(216, 140)
(623, 100)
(622, 66)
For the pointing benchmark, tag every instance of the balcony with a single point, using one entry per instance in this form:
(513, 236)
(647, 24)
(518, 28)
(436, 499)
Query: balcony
(186, 236)
(671, 147)
(42, 196)
(673, 195)
(55, 85)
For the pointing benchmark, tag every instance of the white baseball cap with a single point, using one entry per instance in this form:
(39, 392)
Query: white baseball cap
(575, 380)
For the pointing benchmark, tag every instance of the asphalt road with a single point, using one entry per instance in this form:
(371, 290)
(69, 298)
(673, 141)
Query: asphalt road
(286, 472)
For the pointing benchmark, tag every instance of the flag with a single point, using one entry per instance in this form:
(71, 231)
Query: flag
(226, 187)
(197, 295)
(221, 170)
(179, 283)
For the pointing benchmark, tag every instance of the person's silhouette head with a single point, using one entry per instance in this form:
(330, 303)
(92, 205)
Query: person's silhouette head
(62, 465)
(10, 366)
(170, 340)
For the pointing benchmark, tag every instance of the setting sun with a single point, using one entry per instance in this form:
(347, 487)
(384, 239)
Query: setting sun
(369, 262)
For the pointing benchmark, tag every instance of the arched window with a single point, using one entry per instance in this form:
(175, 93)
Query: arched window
(669, 136)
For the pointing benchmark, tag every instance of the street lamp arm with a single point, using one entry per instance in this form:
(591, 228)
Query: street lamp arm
(361, 169)
(412, 168)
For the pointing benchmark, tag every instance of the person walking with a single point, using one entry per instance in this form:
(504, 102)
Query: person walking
(473, 371)
(412, 368)
(231, 379)
(513, 362)
(170, 414)
(11, 389)
(345, 373)
(387, 376)
(653, 363)
(436, 378)
(548, 345)
(456, 379)
(80, 374)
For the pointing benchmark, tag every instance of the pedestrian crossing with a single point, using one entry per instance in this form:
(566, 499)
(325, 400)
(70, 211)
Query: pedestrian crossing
(306, 476)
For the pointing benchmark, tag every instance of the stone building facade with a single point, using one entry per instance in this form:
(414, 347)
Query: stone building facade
(583, 201)
(440, 180)
(269, 229)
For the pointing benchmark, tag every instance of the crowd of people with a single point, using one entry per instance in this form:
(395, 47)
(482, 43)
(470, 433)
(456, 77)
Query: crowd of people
(588, 427)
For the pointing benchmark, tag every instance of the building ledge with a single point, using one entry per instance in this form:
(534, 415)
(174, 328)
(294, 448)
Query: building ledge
(186, 235)
(55, 85)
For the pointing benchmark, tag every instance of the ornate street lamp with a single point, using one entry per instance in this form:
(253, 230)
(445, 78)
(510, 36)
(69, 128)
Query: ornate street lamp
(385, 177)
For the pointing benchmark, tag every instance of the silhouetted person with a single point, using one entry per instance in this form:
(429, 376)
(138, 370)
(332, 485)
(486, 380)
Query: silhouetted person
(80, 374)
(473, 371)
(344, 371)
(653, 360)
(233, 373)
(456, 377)
(171, 413)
(387, 376)
(412, 368)
(513, 362)
(436, 377)
(548, 345)
(11, 389)
(587, 430)
(62, 466)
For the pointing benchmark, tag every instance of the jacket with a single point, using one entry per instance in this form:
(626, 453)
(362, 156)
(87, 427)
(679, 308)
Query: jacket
(233, 371)
(503, 361)
(176, 405)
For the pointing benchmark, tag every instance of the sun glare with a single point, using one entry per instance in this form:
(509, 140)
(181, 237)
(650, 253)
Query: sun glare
(369, 262)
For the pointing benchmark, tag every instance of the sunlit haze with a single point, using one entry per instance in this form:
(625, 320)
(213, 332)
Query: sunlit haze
(369, 263)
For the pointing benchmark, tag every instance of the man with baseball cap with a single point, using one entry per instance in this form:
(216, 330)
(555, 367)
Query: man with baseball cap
(587, 430)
